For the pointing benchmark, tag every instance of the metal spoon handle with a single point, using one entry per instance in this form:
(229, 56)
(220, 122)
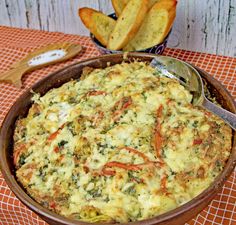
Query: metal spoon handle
(228, 117)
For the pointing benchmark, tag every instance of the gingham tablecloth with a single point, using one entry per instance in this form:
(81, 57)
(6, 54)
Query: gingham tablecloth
(16, 43)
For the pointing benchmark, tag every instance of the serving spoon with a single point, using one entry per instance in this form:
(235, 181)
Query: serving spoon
(41, 57)
(192, 81)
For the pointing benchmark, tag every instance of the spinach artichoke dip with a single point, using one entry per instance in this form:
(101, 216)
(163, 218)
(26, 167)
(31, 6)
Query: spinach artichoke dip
(121, 144)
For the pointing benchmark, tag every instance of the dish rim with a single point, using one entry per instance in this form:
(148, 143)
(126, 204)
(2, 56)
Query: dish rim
(9, 122)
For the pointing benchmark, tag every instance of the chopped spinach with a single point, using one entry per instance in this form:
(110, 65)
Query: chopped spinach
(62, 143)
(195, 124)
(95, 193)
(131, 190)
(22, 159)
(71, 128)
(42, 173)
(144, 96)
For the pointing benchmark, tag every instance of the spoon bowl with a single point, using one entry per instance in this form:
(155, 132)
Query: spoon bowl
(192, 81)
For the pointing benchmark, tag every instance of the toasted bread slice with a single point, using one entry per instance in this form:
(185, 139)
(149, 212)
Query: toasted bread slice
(128, 24)
(119, 5)
(155, 26)
(98, 23)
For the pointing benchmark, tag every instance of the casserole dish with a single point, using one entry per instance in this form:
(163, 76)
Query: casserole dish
(20, 108)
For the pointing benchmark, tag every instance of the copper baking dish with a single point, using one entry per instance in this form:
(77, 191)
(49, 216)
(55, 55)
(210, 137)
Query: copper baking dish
(56, 79)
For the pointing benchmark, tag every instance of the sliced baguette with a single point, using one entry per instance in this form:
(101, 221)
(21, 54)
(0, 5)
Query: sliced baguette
(155, 26)
(128, 24)
(119, 5)
(98, 23)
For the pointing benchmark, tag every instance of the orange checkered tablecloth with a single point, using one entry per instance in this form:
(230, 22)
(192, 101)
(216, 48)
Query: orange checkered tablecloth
(16, 43)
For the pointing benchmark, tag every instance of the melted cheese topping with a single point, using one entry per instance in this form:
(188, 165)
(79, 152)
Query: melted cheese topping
(121, 144)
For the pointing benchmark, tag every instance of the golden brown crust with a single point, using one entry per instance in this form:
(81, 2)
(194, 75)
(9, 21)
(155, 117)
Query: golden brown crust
(98, 23)
(85, 72)
(119, 5)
